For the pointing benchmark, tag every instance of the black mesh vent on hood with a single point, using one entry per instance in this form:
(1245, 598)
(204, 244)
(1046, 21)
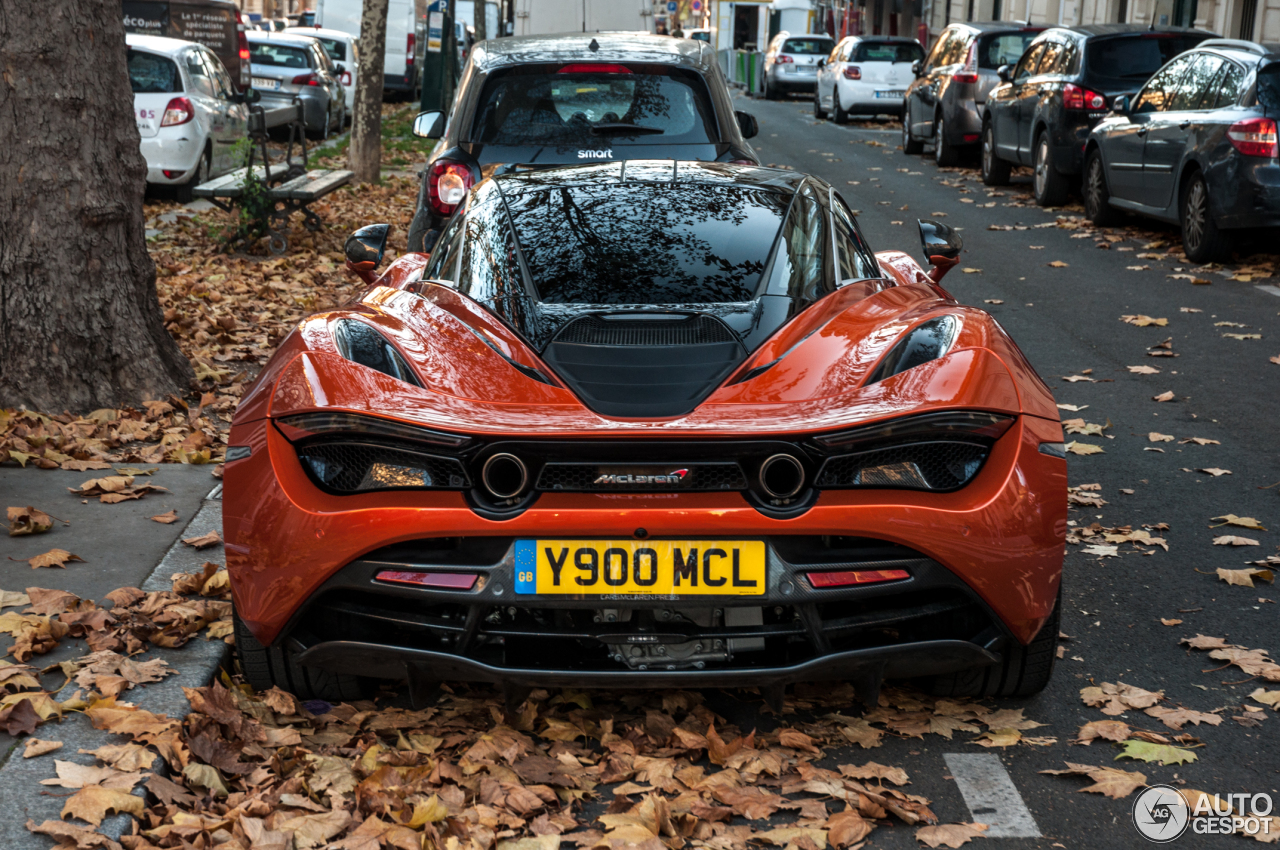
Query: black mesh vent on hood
(644, 365)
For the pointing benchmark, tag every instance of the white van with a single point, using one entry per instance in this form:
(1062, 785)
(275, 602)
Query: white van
(406, 37)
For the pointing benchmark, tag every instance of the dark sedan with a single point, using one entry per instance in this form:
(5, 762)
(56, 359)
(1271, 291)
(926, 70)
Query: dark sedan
(546, 100)
(1196, 146)
(1061, 87)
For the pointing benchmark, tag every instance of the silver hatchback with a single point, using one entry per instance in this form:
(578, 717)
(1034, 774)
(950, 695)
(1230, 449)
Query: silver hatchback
(791, 63)
(289, 66)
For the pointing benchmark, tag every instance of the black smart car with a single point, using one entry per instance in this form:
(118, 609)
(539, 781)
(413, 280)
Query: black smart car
(1042, 114)
(568, 99)
(1196, 146)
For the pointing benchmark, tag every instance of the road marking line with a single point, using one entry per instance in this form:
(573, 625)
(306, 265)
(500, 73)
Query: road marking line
(1266, 287)
(991, 796)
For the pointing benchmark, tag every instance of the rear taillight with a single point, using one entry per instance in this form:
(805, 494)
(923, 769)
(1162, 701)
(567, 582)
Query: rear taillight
(970, 72)
(1074, 97)
(179, 111)
(964, 78)
(305, 80)
(783, 59)
(242, 44)
(591, 68)
(849, 578)
(447, 185)
(346, 78)
(852, 72)
(409, 43)
(1254, 137)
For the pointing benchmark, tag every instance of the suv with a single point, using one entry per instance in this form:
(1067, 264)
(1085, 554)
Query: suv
(1062, 86)
(1196, 147)
(945, 102)
(535, 101)
(791, 63)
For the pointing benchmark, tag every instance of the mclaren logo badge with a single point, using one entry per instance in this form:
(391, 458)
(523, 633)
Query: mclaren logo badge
(610, 479)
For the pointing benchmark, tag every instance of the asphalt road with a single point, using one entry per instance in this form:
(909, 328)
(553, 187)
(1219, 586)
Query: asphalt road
(1067, 320)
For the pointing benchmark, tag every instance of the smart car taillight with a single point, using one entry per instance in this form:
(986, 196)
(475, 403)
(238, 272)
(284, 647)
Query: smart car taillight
(1074, 97)
(447, 184)
(305, 80)
(179, 111)
(849, 578)
(852, 72)
(1254, 137)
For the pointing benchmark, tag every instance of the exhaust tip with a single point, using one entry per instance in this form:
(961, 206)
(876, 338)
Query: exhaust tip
(504, 476)
(782, 476)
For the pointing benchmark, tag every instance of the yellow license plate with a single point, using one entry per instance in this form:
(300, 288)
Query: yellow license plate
(640, 567)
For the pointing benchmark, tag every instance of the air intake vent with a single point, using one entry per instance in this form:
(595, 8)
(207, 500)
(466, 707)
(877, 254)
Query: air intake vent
(694, 330)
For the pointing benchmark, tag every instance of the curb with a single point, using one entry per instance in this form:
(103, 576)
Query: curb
(196, 665)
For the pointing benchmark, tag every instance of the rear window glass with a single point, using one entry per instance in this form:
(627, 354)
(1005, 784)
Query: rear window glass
(1004, 49)
(646, 243)
(1268, 87)
(871, 51)
(152, 74)
(807, 46)
(337, 50)
(280, 55)
(1132, 59)
(593, 109)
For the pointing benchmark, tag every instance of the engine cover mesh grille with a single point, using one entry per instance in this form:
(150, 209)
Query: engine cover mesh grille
(697, 330)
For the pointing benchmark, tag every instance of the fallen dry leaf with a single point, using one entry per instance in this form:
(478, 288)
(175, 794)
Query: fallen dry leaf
(53, 558)
(1108, 730)
(1144, 321)
(1057, 264)
(28, 521)
(1078, 448)
(33, 747)
(1234, 540)
(1238, 521)
(93, 802)
(1245, 577)
(1165, 622)
(1164, 396)
(1108, 781)
(166, 518)
(1144, 370)
(1271, 698)
(204, 541)
(1215, 471)
(950, 834)
(1157, 437)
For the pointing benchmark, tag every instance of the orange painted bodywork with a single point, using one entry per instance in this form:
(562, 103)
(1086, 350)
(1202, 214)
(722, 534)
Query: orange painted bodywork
(1003, 533)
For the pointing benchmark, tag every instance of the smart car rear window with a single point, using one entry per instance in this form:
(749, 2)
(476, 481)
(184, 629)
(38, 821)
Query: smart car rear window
(807, 46)
(1004, 49)
(1132, 59)
(280, 55)
(658, 243)
(887, 51)
(577, 105)
(152, 74)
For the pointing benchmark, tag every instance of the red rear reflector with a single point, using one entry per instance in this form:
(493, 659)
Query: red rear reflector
(593, 68)
(970, 137)
(852, 577)
(1254, 137)
(172, 174)
(447, 581)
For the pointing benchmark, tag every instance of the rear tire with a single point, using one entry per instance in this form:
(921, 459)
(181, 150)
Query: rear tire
(265, 667)
(837, 111)
(1201, 238)
(910, 145)
(184, 193)
(944, 153)
(995, 171)
(1050, 186)
(1024, 670)
(818, 111)
(1097, 198)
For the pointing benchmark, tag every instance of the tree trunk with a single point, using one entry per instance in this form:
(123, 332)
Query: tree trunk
(80, 323)
(481, 22)
(364, 156)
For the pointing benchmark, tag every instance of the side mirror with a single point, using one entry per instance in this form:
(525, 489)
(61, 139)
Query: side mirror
(1004, 72)
(429, 125)
(339, 68)
(364, 249)
(747, 124)
(822, 63)
(916, 67)
(942, 247)
(1121, 105)
(249, 96)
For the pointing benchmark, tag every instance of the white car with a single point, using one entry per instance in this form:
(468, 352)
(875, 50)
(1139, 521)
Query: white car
(866, 75)
(187, 110)
(341, 47)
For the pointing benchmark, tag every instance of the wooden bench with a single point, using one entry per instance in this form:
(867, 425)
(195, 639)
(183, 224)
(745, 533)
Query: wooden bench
(289, 186)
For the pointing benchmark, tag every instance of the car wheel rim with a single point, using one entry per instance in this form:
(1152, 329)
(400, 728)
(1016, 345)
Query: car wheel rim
(1094, 191)
(937, 140)
(987, 154)
(1195, 214)
(906, 131)
(1042, 167)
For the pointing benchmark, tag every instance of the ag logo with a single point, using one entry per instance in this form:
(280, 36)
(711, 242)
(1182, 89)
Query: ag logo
(607, 153)
(1160, 813)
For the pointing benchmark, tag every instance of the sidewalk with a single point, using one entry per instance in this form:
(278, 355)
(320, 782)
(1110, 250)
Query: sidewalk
(121, 547)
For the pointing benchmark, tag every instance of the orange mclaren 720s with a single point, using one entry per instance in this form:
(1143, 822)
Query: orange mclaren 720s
(648, 424)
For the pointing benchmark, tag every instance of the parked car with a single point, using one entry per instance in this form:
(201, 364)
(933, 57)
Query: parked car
(217, 24)
(343, 52)
(188, 112)
(1042, 112)
(945, 102)
(1196, 147)
(406, 40)
(865, 75)
(458, 476)
(791, 62)
(543, 100)
(289, 66)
